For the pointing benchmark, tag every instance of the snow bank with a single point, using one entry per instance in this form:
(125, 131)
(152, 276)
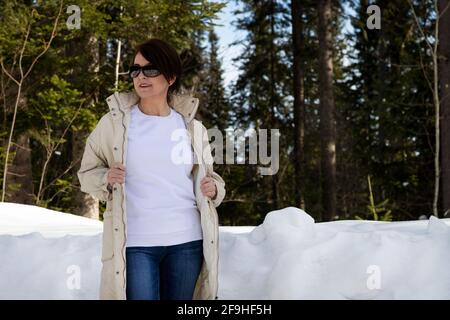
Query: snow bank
(19, 219)
(290, 257)
(51, 255)
(46, 254)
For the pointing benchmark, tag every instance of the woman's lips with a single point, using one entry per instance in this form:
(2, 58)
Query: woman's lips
(144, 85)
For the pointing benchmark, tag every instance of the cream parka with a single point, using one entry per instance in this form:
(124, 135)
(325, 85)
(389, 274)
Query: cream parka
(106, 144)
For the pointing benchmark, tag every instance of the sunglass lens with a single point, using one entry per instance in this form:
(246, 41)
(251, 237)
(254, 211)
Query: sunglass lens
(150, 72)
(134, 71)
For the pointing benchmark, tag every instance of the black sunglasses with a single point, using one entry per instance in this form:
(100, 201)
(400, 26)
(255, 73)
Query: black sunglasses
(147, 70)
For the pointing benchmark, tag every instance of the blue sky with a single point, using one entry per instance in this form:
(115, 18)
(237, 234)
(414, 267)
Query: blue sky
(227, 34)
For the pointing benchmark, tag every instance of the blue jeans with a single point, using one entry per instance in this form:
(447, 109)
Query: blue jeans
(163, 272)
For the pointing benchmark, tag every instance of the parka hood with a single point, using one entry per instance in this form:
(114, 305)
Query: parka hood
(185, 104)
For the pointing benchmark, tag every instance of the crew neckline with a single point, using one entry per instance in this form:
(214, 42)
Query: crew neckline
(142, 114)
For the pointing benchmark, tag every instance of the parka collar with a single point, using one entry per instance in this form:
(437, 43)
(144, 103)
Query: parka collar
(185, 104)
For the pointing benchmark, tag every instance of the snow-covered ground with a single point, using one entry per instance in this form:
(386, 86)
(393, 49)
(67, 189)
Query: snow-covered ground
(51, 255)
(46, 254)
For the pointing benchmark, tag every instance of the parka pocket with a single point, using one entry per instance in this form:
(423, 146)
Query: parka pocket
(107, 239)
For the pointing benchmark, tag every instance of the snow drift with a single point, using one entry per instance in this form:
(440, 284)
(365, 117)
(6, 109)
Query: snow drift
(52, 255)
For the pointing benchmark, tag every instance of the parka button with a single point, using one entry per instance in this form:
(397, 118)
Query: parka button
(114, 114)
(115, 148)
(117, 272)
(212, 241)
(115, 188)
(116, 229)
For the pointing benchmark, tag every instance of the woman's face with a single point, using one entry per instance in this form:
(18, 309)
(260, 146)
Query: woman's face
(147, 87)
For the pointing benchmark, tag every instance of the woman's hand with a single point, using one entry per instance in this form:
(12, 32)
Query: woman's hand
(208, 187)
(116, 173)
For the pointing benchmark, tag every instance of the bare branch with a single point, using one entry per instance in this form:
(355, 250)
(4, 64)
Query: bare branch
(47, 46)
(58, 177)
(22, 51)
(419, 27)
(443, 11)
(424, 71)
(7, 73)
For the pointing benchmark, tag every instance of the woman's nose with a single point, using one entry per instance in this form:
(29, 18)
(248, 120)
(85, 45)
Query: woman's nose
(141, 76)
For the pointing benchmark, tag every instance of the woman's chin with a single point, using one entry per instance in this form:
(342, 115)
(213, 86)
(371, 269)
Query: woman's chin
(144, 93)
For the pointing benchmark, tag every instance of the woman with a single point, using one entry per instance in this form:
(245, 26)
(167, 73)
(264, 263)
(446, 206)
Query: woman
(160, 233)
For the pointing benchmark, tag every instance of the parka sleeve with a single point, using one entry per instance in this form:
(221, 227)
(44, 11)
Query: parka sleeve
(209, 160)
(94, 170)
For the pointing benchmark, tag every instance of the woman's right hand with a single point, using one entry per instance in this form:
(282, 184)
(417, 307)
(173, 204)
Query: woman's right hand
(116, 174)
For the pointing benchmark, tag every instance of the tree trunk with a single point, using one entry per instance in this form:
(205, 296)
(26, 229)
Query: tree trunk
(275, 195)
(20, 176)
(83, 204)
(444, 97)
(299, 103)
(327, 111)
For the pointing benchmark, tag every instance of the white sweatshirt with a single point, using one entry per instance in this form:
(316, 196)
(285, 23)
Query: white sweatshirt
(160, 199)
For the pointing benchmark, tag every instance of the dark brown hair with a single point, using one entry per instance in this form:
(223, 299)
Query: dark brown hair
(163, 56)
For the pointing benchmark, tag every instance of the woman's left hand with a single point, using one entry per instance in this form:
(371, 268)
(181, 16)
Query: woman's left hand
(208, 187)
